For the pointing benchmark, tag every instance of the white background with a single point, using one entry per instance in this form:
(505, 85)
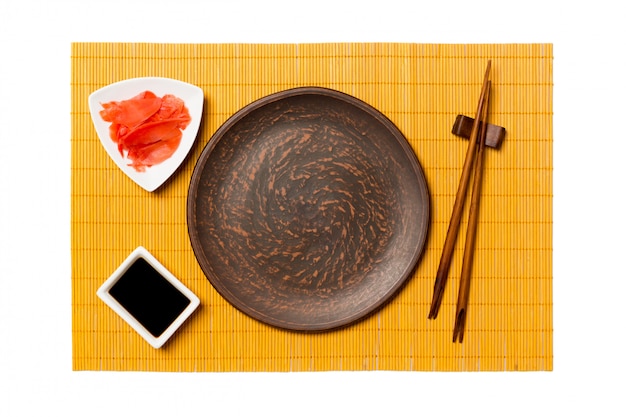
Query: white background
(35, 305)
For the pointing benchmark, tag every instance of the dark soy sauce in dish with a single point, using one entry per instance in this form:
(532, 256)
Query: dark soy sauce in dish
(149, 297)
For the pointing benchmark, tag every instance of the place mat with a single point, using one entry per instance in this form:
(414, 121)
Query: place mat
(421, 88)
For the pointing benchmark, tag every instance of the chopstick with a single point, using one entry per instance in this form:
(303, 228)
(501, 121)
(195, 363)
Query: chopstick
(470, 239)
(457, 210)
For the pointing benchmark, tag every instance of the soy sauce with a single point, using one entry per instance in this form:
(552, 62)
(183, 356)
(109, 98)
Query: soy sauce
(149, 297)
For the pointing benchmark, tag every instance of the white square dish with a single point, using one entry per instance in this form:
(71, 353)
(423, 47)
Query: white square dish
(148, 297)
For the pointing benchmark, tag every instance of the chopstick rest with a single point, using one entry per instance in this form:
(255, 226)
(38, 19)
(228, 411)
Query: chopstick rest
(463, 127)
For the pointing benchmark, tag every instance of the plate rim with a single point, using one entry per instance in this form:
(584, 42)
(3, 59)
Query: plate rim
(259, 103)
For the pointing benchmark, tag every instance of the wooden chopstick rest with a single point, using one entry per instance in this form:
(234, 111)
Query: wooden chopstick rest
(463, 127)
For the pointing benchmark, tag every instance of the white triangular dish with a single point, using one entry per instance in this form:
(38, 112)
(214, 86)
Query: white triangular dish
(193, 96)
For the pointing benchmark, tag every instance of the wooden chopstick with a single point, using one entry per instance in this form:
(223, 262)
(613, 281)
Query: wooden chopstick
(457, 210)
(472, 223)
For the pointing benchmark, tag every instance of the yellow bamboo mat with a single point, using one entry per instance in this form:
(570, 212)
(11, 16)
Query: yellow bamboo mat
(421, 88)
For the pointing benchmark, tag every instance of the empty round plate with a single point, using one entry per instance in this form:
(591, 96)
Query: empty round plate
(308, 209)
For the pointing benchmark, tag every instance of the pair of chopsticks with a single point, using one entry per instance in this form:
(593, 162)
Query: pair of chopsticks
(472, 157)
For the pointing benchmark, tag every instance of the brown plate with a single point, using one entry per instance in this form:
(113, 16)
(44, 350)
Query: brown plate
(308, 209)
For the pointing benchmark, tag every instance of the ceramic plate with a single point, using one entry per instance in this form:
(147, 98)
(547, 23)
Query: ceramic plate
(154, 176)
(308, 209)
